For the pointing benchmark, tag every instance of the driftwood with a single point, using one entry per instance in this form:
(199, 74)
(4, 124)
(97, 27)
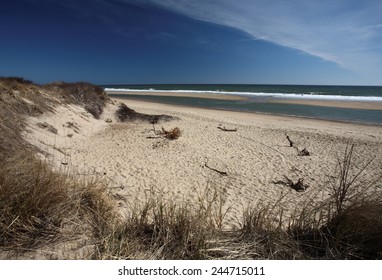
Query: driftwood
(291, 144)
(303, 152)
(125, 114)
(227, 129)
(171, 134)
(223, 173)
(299, 186)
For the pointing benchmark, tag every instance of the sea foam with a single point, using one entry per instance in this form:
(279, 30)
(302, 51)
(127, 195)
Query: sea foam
(275, 95)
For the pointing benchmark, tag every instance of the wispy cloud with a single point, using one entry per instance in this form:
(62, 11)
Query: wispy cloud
(346, 32)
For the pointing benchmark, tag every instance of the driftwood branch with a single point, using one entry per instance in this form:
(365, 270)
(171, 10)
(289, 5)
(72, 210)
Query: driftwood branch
(171, 134)
(303, 152)
(291, 144)
(227, 129)
(299, 186)
(223, 173)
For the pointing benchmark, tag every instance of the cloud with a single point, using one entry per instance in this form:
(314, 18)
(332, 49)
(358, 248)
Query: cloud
(346, 32)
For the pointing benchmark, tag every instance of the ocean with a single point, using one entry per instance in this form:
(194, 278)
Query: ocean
(259, 97)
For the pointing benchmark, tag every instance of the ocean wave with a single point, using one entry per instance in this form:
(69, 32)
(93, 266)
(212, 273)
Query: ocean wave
(275, 95)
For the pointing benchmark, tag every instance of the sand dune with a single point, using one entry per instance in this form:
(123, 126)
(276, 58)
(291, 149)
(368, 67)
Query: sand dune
(137, 165)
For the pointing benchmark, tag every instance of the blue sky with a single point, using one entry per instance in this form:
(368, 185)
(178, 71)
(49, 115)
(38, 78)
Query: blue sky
(199, 41)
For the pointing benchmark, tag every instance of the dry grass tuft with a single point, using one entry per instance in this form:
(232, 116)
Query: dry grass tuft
(17, 100)
(161, 229)
(91, 97)
(354, 233)
(126, 114)
(347, 226)
(36, 203)
(32, 202)
(345, 186)
(158, 230)
(263, 232)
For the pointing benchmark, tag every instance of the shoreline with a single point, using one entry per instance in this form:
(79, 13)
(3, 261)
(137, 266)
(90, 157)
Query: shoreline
(362, 105)
(348, 104)
(259, 118)
(180, 94)
(123, 97)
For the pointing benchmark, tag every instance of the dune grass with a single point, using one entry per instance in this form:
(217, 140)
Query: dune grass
(91, 97)
(158, 230)
(36, 203)
(349, 224)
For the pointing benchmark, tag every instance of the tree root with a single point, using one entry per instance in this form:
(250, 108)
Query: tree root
(299, 186)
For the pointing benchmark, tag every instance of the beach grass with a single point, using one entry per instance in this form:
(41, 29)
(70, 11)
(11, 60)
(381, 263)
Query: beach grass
(37, 203)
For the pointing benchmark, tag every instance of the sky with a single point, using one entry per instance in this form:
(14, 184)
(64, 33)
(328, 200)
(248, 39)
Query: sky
(193, 41)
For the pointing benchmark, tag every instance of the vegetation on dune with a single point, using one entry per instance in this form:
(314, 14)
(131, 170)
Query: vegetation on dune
(36, 203)
(349, 224)
(126, 114)
(18, 99)
(40, 207)
(91, 97)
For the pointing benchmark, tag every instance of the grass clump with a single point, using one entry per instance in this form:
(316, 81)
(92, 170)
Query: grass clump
(18, 99)
(349, 224)
(32, 202)
(264, 234)
(164, 229)
(345, 187)
(37, 203)
(158, 230)
(346, 226)
(93, 98)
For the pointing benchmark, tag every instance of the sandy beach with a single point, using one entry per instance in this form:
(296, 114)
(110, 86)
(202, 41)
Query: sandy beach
(179, 94)
(366, 105)
(137, 164)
